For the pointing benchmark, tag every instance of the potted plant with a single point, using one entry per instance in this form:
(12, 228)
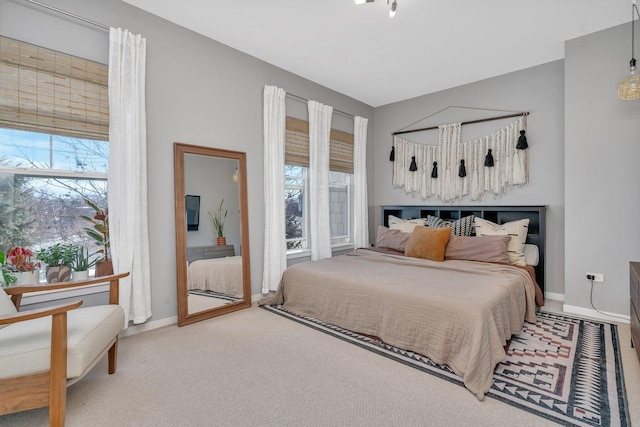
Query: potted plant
(7, 277)
(20, 262)
(99, 232)
(81, 263)
(57, 257)
(218, 222)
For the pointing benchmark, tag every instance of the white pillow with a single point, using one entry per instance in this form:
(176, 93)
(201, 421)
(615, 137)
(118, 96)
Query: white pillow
(405, 225)
(516, 229)
(531, 255)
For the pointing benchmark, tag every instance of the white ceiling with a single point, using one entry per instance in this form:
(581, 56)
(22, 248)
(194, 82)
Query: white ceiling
(429, 46)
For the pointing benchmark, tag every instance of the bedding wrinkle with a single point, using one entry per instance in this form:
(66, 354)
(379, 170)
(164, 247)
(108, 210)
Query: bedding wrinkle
(457, 313)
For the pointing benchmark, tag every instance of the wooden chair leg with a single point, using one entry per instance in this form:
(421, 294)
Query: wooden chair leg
(58, 373)
(113, 357)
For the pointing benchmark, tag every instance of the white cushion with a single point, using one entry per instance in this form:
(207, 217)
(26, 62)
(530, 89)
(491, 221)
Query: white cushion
(516, 229)
(25, 346)
(6, 306)
(531, 255)
(404, 225)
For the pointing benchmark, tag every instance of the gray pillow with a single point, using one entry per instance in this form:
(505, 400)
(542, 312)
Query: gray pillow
(394, 239)
(479, 248)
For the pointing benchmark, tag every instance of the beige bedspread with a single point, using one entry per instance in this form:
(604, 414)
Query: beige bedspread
(458, 313)
(222, 275)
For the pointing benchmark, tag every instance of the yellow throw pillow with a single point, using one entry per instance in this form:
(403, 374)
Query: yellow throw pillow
(428, 243)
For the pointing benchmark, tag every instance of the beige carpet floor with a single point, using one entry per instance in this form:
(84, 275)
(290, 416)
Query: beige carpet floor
(254, 368)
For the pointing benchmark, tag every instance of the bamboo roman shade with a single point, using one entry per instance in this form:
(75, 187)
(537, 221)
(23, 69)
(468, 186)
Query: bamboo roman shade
(42, 90)
(297, 147)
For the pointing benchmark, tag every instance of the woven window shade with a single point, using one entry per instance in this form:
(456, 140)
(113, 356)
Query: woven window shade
(296, 150)
(42, 90)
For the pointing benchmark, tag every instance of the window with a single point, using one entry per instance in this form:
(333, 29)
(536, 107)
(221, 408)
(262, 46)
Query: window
(43, 180)
(294, 212)
(54, 150)
(340, 185)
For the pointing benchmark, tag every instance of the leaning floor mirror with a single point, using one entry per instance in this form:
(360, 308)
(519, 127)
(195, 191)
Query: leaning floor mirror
(212, 232)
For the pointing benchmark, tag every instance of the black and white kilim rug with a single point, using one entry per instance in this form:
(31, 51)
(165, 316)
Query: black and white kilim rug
(565, 369)
(214, 294)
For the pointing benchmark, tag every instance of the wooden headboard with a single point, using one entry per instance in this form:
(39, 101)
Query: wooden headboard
(497, 214)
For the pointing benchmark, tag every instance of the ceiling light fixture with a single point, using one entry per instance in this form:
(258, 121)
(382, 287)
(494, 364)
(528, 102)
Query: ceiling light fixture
(629, 88)
(392, 11)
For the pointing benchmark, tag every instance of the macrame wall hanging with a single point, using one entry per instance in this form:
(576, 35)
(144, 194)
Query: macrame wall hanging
(453, 169)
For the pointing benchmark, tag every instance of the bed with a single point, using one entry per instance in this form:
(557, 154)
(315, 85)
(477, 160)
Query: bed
(458, 312)
(214, 269)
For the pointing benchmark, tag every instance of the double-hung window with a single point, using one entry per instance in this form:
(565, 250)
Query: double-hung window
(54, 150)
(296, 186)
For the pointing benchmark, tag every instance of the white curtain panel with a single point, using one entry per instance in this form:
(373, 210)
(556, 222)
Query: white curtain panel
(127, 178)
(319, 142)
(275, 245)
(360, 205)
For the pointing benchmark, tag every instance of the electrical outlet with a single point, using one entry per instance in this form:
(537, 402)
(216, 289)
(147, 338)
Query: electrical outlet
(597, 277)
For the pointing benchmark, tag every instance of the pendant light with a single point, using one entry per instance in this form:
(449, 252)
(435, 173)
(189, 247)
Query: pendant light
(392, 10)
(394, 7)
(629, 88)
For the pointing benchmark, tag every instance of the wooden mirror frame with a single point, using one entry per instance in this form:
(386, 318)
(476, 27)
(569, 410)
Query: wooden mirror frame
(179, 150)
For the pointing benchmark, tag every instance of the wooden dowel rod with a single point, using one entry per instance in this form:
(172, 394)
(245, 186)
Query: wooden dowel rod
(526, 113)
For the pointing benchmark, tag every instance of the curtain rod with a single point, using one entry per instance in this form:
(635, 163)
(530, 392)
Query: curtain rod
(525, 113)
(64, 12)
(299, 98)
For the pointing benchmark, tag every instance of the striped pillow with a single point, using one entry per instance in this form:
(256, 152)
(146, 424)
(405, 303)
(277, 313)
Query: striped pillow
(459, 227)
(516, 229)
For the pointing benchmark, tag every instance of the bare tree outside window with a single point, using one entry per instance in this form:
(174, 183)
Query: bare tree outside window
(43, 180)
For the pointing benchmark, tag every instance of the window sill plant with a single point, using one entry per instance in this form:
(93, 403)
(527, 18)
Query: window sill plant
(19, 262)
(99, 232)
(58, 258)
(81, 263)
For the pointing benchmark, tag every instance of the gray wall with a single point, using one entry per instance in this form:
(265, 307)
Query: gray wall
(538, 90)
(211, 179)
(602, 152)
(198, 92)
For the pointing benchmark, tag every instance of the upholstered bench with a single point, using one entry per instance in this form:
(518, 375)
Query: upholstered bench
(43, 351)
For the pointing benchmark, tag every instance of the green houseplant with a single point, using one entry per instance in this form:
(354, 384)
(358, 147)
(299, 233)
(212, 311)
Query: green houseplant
(218, 222)
(7, 275)
(58, 258)
(99, 232)
(81, 263)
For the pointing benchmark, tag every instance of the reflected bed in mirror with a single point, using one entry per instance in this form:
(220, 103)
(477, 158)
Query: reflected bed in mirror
(212, 259)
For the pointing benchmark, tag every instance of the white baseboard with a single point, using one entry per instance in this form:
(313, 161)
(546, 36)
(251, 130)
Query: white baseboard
(143, 327)
(554, 296)
(167, 321)
(588, 312)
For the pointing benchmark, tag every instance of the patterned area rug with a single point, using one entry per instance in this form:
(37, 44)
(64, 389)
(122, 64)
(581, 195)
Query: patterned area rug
(214, 294)
(561, 368)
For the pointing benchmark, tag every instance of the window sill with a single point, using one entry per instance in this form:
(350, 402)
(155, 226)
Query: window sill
(58, 294)
(302, 253)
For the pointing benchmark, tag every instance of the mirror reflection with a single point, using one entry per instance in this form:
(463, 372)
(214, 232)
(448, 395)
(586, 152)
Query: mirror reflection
(211, 235)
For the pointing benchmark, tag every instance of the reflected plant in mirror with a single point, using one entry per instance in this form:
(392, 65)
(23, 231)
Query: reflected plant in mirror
(218, 222)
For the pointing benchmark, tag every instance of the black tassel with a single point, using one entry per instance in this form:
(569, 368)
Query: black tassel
(462, 171)
(488, 160)
(392, 156)
(522, 142)
(413, 167)
(434, 171)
